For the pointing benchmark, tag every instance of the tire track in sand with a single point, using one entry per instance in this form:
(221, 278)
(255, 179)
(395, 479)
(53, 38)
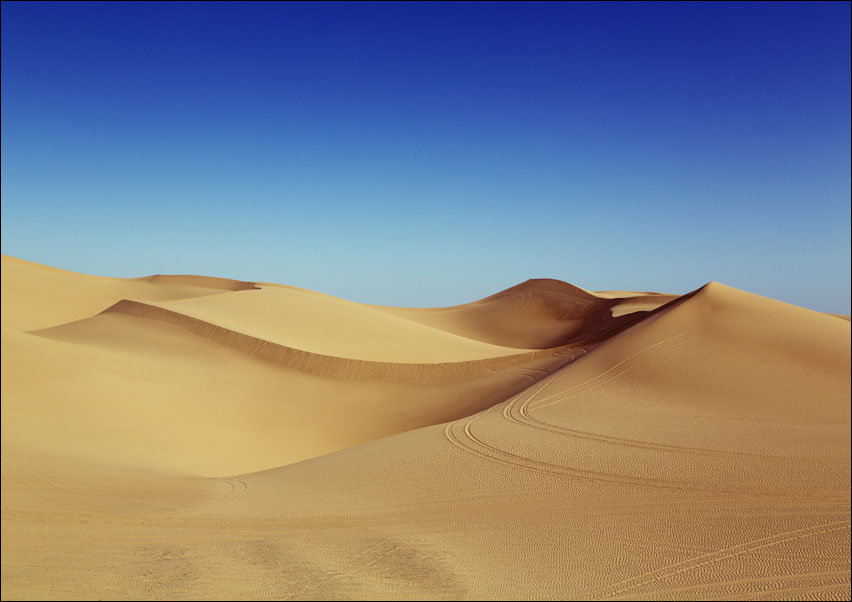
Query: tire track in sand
(691, 564)
(460, 434)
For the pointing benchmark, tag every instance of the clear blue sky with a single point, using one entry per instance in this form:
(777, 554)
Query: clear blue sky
(432, 154)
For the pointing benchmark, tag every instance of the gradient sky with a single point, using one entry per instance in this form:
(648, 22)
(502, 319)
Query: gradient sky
(432, 154)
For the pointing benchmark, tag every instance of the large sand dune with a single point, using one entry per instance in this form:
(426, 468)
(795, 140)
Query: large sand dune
(191, 437)
(538, 314)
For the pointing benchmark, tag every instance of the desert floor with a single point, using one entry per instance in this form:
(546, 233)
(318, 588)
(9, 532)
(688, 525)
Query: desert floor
(197, 437)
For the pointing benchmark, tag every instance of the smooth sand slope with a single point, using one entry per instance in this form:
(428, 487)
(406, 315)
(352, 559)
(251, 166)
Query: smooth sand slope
(38, 296)
(185, 437)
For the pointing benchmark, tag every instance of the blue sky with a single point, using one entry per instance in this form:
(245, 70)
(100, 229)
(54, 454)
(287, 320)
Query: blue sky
(431, 154)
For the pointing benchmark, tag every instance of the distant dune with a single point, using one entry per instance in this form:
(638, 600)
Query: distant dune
(539, 314)
(189, 437)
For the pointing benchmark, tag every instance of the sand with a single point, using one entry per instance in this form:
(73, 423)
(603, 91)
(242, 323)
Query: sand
(187, 437)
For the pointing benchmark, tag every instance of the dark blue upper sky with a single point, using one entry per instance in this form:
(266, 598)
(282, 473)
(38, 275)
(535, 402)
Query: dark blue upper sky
(433, 153)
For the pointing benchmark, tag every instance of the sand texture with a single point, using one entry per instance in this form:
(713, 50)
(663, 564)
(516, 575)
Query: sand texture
(189, 437)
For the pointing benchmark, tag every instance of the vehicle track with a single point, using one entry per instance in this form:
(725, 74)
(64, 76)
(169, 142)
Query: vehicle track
(717, 556)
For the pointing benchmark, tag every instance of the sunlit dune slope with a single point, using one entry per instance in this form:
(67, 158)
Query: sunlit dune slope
(38, 296)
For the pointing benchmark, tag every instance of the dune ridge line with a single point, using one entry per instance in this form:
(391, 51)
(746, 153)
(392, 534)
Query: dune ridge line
(334, 366)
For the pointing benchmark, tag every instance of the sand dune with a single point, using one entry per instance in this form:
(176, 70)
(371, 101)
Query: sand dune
(324, 325)
(186, 437)
(236, 390)
(38, 296)
(214, 409)
(539, 314)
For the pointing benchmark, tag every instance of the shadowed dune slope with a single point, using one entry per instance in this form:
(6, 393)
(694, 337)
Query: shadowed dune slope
(630, 302)
(538, 314)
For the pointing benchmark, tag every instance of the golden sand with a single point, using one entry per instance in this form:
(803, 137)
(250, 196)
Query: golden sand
(193, 437)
